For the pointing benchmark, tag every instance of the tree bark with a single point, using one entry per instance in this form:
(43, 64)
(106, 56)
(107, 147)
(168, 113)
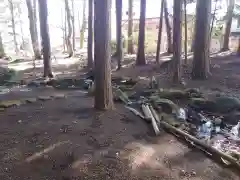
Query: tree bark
(119, 33)
(36, 28)
(141, 60)
(32, 29)
(44, 29)
(201, 48)
(238, 50)
(102, 55)
(63, 30)
(177, 32)
(168, 29)
(228, 25)
(130, 27)
(159, 33)
(2, 52)
(90, 34)
(213, 19)
(73, 27)
(13, 26)
(185, 32)
(82, 31)
(68, 39)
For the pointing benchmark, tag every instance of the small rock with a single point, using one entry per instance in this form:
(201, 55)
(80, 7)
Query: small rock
(182, 172)
(19, 121)
(193, 173)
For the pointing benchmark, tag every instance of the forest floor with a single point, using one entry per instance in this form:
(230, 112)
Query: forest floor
(66, 139)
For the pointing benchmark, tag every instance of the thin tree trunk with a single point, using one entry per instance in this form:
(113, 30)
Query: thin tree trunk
(185, 32)
(2, 52)
(37, 45)
(130, 27)
(201, 48)
(119, 33)
(13, 26)
(90, 34)
(168, 28)
(32, 29)
(83, 25)
(63, 30)
(73, 27)
(102, 55)
(213, 19)
(177, 31)
(68, 40)
(20, 22)
(44, 29)
(159, 33)
(228, 25)
(141, 60)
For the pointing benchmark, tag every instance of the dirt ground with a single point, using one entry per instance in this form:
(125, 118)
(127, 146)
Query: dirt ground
(66, 139)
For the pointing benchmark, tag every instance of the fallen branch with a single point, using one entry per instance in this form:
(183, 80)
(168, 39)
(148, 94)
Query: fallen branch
(197, 142)
(149, 114)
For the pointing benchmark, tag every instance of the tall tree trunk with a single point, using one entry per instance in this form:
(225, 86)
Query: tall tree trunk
(82, 31)
(44, 29)
(201, 48)
(168, 28)
(2, 52)
(130, 27)
(37, 45)
(213, 19)
(228, 25)
(21, 24)
(73, 27)
(238, 50)
(119, 32)
(102, 53)
(159, 33)
(68, 39)
(32, 29)
(90, 34)
(141, 60)
(177, 32)
(13, 26)
(63, 29)
(185, 32)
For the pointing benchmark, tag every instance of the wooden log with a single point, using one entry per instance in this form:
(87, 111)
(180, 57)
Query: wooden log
(155, 115)
(153, 121)
(146, 112)
(210, 149)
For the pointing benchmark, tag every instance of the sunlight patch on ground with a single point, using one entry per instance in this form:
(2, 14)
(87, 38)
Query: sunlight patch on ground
(81, 164)
(45, 151)
(139, 155)
(39, 63)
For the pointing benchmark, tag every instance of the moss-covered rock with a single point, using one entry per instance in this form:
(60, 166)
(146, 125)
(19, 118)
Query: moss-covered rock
(202, 104)
(166, 105)
(30, 100)
(10, 103)
(172, 94)
(6, 75)
(44, 98)
(193, 93)
(225, 104)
